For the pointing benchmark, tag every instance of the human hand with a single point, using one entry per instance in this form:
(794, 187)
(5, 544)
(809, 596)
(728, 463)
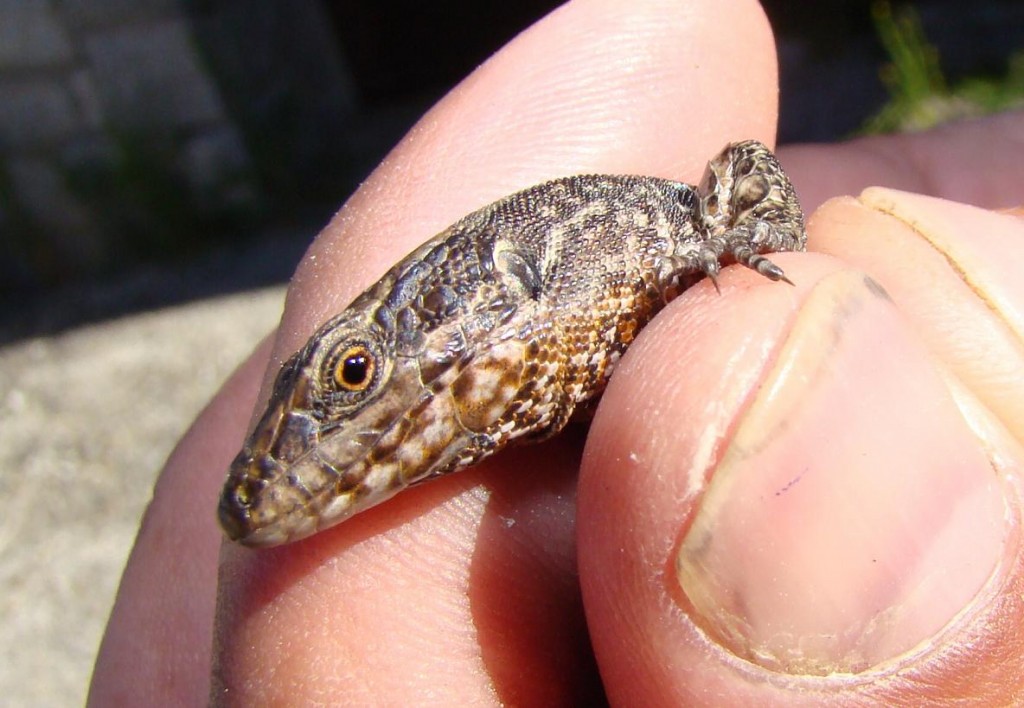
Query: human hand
(880, 537)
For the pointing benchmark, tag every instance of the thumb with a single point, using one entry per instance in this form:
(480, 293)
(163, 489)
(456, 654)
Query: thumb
(787, 500)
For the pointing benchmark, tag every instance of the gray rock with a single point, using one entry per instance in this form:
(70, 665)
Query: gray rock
(87, 419)
(68, 236)
(217, 167)
(36, 114)
(105, 13)
(149, 76)
(31, 36)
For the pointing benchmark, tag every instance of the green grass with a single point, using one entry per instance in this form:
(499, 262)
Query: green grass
(919, 95)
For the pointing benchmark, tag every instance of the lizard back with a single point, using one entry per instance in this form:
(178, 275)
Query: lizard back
(495, 329)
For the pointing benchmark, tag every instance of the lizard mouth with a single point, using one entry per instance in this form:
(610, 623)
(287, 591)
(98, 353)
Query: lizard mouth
(243, 511)
(285, 482)
(254, 499)
(262, 504)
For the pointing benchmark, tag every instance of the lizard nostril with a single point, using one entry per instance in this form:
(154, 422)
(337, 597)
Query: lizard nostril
(232, 519)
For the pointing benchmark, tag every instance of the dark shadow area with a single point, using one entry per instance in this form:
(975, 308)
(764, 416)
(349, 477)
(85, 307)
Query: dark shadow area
(268, 260)
(524, 589)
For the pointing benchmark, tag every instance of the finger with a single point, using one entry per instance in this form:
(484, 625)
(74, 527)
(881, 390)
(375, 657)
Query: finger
(156, 647)
(794, 499)
(972, 161)
(467, 585)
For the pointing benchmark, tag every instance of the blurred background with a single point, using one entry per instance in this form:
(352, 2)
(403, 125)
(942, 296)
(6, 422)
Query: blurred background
(168, 132)
(164, 164)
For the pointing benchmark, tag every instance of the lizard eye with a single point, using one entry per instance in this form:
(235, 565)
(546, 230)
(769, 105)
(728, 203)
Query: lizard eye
(354, 368)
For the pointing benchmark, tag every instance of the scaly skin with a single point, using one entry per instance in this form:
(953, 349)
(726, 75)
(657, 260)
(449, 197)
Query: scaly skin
(496, 329)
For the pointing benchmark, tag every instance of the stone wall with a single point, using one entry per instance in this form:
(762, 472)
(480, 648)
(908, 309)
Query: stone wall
(130, 129)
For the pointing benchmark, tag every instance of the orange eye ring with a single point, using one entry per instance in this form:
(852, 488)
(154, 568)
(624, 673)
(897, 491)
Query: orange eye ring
(355, 369)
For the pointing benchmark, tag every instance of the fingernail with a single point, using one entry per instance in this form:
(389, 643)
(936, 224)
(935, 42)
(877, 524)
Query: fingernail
(853, 514)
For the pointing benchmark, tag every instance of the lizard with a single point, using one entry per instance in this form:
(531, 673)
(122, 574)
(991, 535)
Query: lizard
(496, 330)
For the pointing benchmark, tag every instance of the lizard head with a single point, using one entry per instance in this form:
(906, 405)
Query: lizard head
(373, 403)
(306, 449)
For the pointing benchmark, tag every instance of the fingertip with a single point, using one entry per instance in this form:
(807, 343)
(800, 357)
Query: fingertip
(780, 498)
(655, 437)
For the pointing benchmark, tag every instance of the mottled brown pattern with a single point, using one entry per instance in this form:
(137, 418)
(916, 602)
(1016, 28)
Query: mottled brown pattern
(496, 329)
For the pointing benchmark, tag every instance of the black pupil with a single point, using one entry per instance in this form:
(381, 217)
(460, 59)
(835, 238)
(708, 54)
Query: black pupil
(353, 371)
